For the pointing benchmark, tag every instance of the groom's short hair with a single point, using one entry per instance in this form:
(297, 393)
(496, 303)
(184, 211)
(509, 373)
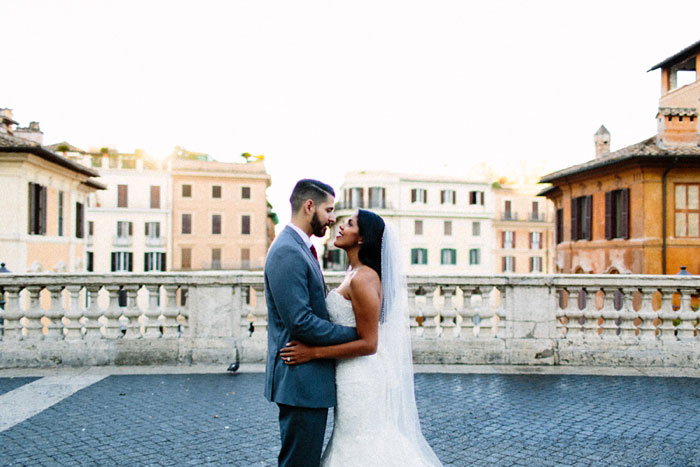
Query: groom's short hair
(311, 189)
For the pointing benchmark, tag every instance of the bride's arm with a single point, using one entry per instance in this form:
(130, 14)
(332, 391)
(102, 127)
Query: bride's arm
(365, 294)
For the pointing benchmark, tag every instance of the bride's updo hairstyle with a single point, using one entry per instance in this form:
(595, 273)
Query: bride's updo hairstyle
(371, 230)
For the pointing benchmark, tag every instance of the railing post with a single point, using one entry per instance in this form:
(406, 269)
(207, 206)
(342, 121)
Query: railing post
(153, 322)
(93, 313)
(13, 314)
(34, 313)
(132, 313)
(55, 313)
(74, 313)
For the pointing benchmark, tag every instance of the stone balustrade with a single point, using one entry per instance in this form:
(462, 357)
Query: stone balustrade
(215, 317)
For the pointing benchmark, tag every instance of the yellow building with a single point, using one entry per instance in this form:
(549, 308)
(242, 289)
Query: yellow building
(45, 197)
(220, 215)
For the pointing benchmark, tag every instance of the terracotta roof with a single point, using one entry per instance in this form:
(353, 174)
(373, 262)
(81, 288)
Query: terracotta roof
(678, 111)
(678, 57)
(646, 149)
(10, 143)
(71, 148)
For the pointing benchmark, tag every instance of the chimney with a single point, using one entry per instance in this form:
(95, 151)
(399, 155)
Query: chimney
(677, 126)
(32, 133)
(6, 121)
(602, 141)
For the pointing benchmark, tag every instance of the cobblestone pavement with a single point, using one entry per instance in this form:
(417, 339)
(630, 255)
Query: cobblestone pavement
(8, 384)
(469, 419)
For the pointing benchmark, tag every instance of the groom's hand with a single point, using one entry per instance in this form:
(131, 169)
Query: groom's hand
(296, 353)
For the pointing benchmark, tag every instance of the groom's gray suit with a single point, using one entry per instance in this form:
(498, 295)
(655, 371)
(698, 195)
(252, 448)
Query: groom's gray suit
(296, 310)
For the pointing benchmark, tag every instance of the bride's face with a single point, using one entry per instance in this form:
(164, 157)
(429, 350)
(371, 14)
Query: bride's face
(348, 234)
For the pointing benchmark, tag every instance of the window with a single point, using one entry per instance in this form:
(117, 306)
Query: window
(155, 197)
(559, 232)
(535, 214)
(153, 261)
(507, 239)
(245, 225)
(128, 162)
(96, 161)
(60, 214)
(216, 258)
(508, 263)
(37, 209)
(448, 197)
(418, 227)
(535, 240)
(216, 191)
(687, 212)
(125, 229)
(245, 192)
(447, 228)
(355, 198)
(91, 228)
(448, 256)
(617, 214)
(376, 197)
(186, 191)
(476, 229)
(476, 198)
(581, 218)
(187, 223)
(535, 264)
(419, 195)
(245, 258)
(79, 220)
(419, 256)
(186, 258)
(122, 196)
(152, 230)
(216, 224)
(474, 256)
(507, 210)
(122, 261)
(90, 261)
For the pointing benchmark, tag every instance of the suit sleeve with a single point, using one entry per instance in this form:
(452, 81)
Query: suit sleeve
(288, 285)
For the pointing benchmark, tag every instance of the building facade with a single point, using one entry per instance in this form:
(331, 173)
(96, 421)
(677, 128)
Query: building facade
(443, 223)
(45, 200)
(220, 215)
(637, 210)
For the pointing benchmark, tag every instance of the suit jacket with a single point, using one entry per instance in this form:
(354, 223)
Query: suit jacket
(296, 310)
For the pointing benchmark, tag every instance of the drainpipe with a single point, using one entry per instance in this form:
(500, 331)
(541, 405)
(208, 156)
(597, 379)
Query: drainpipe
(663, 214)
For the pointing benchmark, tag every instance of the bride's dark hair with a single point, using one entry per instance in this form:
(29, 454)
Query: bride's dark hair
(371, 230)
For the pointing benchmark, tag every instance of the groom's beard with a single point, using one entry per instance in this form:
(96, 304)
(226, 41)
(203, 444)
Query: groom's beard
(316, 226)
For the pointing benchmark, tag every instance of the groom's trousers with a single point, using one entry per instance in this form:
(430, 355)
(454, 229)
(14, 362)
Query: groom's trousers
(302, 430)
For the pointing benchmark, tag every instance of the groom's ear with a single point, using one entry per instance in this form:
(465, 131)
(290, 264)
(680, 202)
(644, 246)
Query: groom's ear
(309, 206)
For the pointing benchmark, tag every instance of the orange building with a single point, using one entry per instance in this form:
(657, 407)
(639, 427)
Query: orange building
(220, 215)
(637, 210)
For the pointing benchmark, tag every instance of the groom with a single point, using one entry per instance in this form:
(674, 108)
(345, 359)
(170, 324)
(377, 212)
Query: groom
(296, 310)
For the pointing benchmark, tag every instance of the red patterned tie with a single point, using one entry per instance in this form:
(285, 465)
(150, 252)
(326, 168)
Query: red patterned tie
(313, 250)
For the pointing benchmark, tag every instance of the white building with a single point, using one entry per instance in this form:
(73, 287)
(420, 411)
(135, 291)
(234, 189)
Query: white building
(444, 223)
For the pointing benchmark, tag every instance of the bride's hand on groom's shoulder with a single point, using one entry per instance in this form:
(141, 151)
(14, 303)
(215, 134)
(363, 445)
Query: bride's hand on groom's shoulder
(296, 353)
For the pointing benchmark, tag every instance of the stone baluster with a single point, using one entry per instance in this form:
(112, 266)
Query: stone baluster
(467, 312)
(34, 313)
(260, 312)
(482, 318)
(184, 316)
(562, 319)
(413, 311)
(93, 313)
(448, 312)
(54, 330)
(74, 313)
(171, 327)
(132, 313)
(12, 314)
(686, 330)
(647, 330)
(429, 314)
(113, 327)
(667, 315)
(153, 322)
(609, 315)
(500, 312)
(590, 315)
(574, 315)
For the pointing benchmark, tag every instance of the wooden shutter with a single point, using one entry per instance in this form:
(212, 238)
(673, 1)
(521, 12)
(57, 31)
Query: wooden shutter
(30, 212)
(114, 262)
(503, 264)
(532, 264)
(42, 210)
(513, 237)
(413, 195)
(574, 219)
(513, 263)
(625, 193)
(146, 262)
(503, 239)
(609, 234)
(542, 235)
(147, 226)
(122, 196)
(162, 261)
(589, 217)
(155, 197)
(79, 221)
(529, 241)
(131, 229)
(130, 257)
(442, 197)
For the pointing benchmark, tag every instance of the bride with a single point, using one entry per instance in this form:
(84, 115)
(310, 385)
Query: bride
(376, 420)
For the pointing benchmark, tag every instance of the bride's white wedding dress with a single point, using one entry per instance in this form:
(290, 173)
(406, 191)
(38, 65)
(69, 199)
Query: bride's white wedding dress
(364, 433)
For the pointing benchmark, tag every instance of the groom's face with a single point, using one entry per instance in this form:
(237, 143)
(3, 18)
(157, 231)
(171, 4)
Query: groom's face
(323, 217)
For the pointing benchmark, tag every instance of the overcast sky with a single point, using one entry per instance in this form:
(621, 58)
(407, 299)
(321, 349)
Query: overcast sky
(325, 87)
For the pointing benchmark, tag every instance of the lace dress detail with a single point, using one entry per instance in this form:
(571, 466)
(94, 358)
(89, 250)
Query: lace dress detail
(362, 432)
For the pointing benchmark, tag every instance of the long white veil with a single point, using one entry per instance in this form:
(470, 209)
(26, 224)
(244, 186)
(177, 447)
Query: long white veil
(395, 347)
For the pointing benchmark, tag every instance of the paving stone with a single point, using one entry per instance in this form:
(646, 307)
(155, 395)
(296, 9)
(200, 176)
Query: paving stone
(9, 384)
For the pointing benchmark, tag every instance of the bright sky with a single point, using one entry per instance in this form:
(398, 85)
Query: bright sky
(325, 87)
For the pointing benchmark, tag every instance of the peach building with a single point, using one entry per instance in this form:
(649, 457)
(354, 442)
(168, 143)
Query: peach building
(523, 227)
(220, 215)
(637, 210)
(45, 197)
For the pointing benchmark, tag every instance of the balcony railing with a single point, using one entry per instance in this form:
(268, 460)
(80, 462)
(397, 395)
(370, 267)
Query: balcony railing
(155, 242)
(363, 205)
(536, 217)
(509, 216)
(122, 241)
(591, 320)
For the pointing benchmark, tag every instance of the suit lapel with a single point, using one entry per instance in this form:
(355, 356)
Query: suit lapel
(315, 266)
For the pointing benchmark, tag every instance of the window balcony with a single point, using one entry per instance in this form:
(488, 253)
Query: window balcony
(156, 242)
(122, 241)
(509, 216)
(536, 217)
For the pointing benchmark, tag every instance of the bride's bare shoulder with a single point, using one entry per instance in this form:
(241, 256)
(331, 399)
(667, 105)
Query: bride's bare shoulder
(365, 279)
